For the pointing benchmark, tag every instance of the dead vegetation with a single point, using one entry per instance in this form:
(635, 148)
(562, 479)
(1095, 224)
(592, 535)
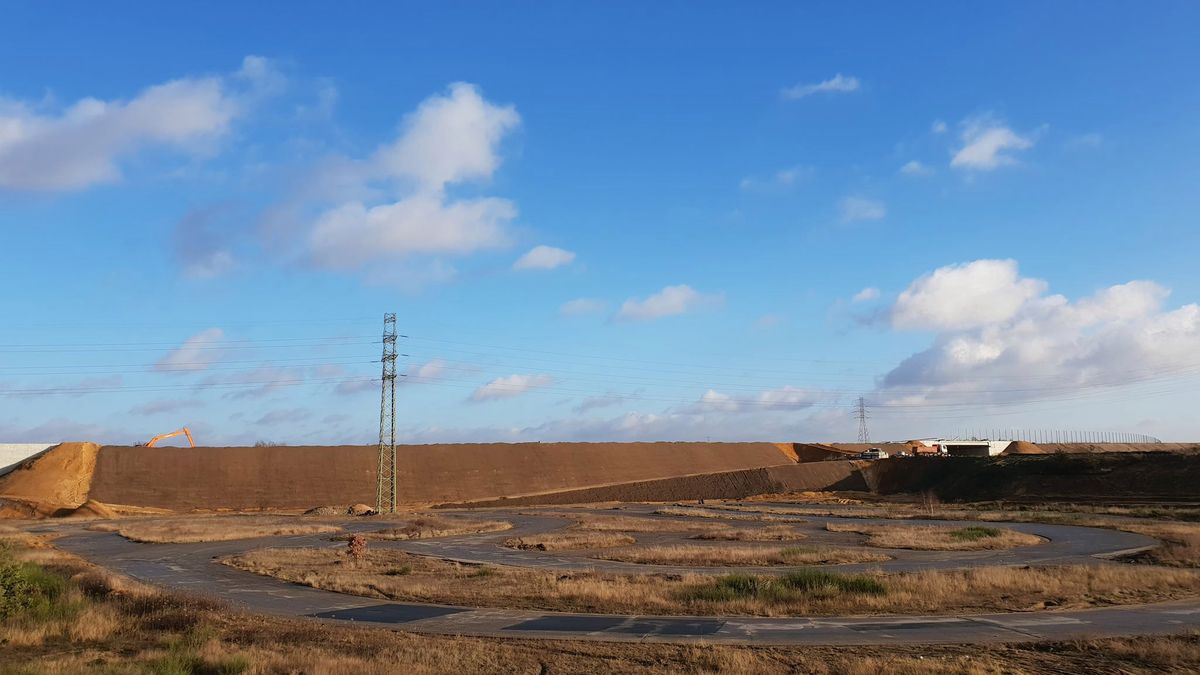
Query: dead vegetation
(622, 523)
(699, 512)
(425, 527)
(938, 538)
(724, 555)
(122, 627)
(770, 533)
(187, 530)
(396, 575)
(569, 541)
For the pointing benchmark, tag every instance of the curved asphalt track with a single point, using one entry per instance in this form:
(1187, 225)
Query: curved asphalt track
(191, 567)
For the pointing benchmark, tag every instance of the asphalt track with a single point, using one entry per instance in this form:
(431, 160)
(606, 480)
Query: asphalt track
(192, 568)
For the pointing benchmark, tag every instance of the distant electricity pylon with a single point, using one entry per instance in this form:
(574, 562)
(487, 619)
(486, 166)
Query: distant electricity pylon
(385, 497)
(860, 410)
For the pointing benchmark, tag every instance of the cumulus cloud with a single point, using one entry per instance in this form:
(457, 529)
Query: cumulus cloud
(964, 296)
(938, 127)
(855, 209)
(429, 371)
(544, 258)
(670, 301)
(988, 144)
(866, 295)
(597, 402)
(915, 168)
(83, 144)
(401, 207)
(195, 354)
(783, 398)
(838, 84)
(581, 306)
(1001, 337)
(510, 386)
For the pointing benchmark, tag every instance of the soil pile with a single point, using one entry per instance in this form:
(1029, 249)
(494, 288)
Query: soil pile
(286, 477)
(60, 478)
(1068, 476)
(821, 476)
(1023, 448)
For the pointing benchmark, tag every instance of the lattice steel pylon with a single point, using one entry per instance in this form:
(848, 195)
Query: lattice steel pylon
(860, 411)
(385, 497)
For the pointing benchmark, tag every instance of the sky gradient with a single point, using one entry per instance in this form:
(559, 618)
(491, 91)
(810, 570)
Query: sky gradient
(606, 221)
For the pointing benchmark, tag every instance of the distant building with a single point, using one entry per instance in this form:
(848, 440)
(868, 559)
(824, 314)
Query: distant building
(958, 448)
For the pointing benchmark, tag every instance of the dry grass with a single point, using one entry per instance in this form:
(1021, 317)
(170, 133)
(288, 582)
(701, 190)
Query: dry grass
(397, 575)
(215, 528)
(569, 541)
(1181, 547)
(426, 527)
(618, 523)
(938, 538)
(723, 555)
(697, 512)
(162, 632)
(770, 533)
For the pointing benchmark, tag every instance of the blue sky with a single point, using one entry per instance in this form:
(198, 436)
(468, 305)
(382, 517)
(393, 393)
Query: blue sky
(599, 221)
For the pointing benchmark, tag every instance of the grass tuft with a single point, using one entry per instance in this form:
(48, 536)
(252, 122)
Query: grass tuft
(974, 533)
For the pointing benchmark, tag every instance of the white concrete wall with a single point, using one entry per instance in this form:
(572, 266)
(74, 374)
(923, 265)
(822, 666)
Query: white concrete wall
(12, 454)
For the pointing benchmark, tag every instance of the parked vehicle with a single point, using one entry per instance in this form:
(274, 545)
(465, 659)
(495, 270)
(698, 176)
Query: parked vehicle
(873, 453)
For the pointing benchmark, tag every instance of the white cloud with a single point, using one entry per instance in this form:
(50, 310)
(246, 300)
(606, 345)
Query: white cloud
(401, 207)
(1002, 338)
(353, 234)
(782, 179)
(450, 138)
(512, 385)
(837, 84)
(429, 371)
(964, 296)
(938, 127)
(854, 209)
(987, 144)
(581, 306)
(670, 301)
(83, 144)
(195, 354)
(544, 258)
(865, 295)
(597, 402)
(915, 168)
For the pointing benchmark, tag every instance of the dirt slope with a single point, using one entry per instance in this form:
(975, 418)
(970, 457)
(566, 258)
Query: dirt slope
(306, 476)
(813, 476)
(60, 477)
(1083, 476)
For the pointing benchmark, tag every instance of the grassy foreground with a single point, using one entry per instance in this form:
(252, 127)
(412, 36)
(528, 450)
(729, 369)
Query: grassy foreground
(81, 619)
(397, 575)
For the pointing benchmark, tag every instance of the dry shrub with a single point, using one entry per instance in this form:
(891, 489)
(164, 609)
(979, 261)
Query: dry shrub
(709, 556)
(432, 526)
(638, 524)
(567, 541)
(212, 528)
(938, 538)
(695, 512)
(771, 533)
(984, 589)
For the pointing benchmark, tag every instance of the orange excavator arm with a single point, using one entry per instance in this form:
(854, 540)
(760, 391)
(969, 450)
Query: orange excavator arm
(178, 432)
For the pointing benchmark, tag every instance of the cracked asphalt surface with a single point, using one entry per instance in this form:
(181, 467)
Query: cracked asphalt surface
(192, 568)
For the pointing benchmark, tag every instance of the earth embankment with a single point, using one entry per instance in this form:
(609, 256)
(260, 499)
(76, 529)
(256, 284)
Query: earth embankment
(303, 476)
(1057, 476)
(811, 476)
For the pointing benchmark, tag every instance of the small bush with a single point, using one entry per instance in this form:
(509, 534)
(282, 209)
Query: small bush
(791, 586)
(974, 533)
(401, 571)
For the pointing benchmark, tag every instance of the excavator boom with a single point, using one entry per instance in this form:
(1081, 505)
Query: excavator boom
(178, 432)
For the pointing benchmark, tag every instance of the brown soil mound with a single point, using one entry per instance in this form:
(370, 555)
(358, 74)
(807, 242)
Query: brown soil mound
(1023, 448)
(60, 477)
(723, 485)
(94, 509)
(286, 477)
